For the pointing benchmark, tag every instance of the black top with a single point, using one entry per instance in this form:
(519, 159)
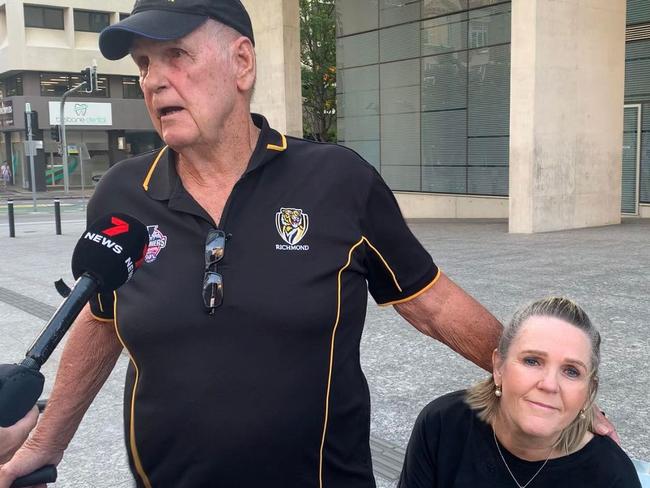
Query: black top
(451, 447)
(269, 390)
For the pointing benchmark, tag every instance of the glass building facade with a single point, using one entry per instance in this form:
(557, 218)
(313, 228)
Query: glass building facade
(424, 91)
(637, 92)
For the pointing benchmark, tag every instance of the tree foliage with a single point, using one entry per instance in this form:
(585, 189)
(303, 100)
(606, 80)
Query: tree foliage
(318, 58)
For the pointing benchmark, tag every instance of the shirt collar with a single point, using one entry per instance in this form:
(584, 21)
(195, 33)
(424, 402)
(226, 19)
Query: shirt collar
(162, 180)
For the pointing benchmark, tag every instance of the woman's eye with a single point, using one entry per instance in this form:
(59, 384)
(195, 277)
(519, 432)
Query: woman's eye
(531, 362)
(572, 372)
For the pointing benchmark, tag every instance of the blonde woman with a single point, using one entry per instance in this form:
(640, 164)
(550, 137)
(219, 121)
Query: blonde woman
(530, 423)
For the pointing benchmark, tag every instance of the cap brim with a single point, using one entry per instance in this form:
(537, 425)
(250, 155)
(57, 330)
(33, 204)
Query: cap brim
(161, 25)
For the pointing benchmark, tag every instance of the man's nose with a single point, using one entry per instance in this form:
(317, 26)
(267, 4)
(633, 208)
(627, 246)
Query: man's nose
(156, 77)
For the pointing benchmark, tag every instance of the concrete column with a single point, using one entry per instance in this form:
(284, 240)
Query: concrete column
(278, 93)
(566, 115)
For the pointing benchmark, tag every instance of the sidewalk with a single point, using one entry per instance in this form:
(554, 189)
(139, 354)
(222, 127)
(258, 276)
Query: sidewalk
(604, 269)
(15, 193)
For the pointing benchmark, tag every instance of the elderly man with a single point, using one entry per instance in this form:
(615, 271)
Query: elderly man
(243, 326)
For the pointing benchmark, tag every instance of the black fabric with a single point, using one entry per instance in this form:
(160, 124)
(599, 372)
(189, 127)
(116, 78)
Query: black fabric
(451, 447)
(238, 398)
(166, 20)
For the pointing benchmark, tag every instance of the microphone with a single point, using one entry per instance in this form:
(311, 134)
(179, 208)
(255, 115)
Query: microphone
(106, 256)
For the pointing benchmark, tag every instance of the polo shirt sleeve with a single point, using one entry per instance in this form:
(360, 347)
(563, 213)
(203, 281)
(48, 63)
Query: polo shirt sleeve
(398, 266)
(101, 304)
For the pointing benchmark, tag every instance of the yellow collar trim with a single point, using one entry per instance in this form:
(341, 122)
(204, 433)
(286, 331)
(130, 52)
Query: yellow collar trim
(273, 147)
(145, 183)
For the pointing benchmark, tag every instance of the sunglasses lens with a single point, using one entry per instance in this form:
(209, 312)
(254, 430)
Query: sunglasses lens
(215, 244)
(212, 290)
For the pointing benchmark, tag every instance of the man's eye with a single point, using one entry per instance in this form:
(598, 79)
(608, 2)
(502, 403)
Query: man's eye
(531, 362)
(177, 53)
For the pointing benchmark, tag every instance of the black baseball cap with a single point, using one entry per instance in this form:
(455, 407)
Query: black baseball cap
(166, 20)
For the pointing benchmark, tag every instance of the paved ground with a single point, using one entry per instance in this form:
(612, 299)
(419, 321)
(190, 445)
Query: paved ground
(604, 269)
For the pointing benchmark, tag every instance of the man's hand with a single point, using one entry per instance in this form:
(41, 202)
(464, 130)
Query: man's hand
(602, 426)
(29, 458)
(11, 438)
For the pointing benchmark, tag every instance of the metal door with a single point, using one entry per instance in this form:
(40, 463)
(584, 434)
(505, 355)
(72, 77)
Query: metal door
(631, 158)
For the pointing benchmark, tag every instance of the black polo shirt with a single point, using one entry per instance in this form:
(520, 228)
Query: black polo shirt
(268, 391)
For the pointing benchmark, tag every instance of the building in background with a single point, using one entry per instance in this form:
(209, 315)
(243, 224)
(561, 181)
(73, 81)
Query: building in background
(44, 44)
(512, 109)
(43, 47)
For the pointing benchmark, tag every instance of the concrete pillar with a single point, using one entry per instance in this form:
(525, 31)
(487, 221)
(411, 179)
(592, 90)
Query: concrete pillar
(278, 94)
(566, 115)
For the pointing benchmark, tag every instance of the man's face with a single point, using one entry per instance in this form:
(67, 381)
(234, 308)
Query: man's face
(189, 87)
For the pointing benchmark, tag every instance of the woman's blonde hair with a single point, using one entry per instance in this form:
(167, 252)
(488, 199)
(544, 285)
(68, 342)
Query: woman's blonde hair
(481, 397)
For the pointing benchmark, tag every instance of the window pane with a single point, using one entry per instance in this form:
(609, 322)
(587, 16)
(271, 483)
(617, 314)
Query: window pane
(54, 84)
(90, 21)
(489, 26)
(444, 179)
(638, 11)
(392, 12)
(12, 86)
(432, 8)
(400, 140)
(444, 138)
(360, 94)
(368, 150)
(53, 18)
(444, 34)
(131, 87)
(488, 151)
(33, 17)
(400, 42)
(489, 91)
(444, 82)
(360, 129)
(404, 178)
(400, 87)
(354, 16)
(637, 71)
(358, 50)
(487, 181)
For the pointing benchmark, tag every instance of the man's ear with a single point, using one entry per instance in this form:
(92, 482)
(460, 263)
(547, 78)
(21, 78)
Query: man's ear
(245, 63)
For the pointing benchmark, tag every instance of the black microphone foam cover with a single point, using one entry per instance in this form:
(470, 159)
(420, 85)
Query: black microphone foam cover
(110, 250)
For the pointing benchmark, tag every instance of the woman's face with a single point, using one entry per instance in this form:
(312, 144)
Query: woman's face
(544, 378)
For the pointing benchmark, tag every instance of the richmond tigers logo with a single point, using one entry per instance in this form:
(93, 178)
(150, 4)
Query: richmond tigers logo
(292, 225)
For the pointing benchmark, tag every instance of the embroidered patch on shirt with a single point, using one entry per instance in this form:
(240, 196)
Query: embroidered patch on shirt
(157, 242)
(292, 225)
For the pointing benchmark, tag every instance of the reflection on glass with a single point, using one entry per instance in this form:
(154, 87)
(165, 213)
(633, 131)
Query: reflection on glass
(432, 8)
(444, 81)
(444, 34)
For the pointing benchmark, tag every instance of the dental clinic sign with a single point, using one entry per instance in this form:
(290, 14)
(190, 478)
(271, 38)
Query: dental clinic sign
(81, 113)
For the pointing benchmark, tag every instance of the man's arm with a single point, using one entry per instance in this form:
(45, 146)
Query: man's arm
(86, 362)
(12, 437)
(447, 313)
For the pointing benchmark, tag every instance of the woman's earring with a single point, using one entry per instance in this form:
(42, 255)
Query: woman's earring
(497, 391)
(582, 414)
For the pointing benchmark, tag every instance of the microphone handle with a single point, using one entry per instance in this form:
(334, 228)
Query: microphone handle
(46, 474)
(60, 322)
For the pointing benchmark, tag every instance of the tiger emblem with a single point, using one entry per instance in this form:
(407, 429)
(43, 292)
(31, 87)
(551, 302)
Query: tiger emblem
(292, 224)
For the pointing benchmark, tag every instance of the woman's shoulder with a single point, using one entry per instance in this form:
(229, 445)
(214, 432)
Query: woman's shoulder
(447, 408)
(616, 462)
(603, 462)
